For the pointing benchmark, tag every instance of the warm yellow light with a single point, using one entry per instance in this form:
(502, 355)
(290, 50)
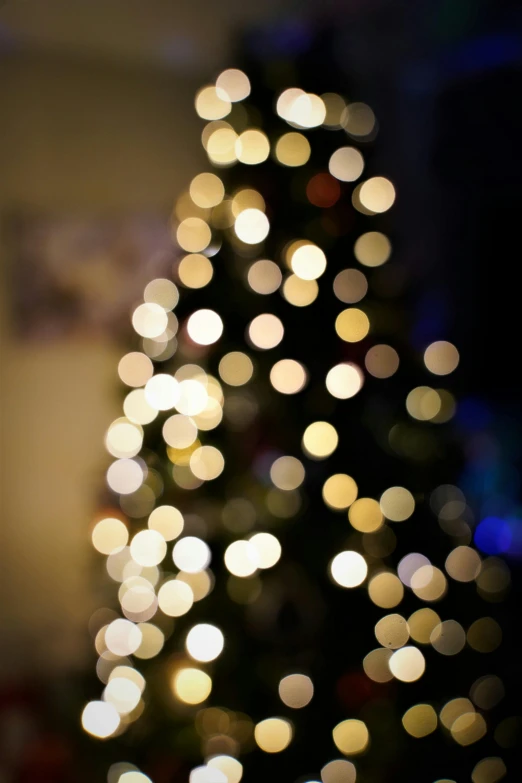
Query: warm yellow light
(109, 535)
(252, 147)
(152, 641)
(122, 637)
(293, 149)
(352, 325)
(287, 473)
(195, 271)
(365, 515)
(123, 694)
(162, 392)
(236, 368)
(348, 569)
(234, 85)
(242, 558)
(135, 369)
(264, 277)
(377, 194)
(268, 549)
(288, 376)
(338, 771)
(148, 548)
(296, 691)
(100, 719)
(175, 598)
(422, 623)
(351, 737)
(299, 292)
(204, 642)
(372, 249)
(397, 504)
(344, 380)
(207, 190)
(441, 357)
(179, 431)
(205, 327)
(162, 292)
(191, 686)
(265, 331)
(125, 476)
(149, 320)
(392, 631)
(193, 235)
(420, 720)
(346, 164)
(308, 261)
(191, 554)
(251, 226)
(385, 590)
(212, 104)
(407, 664)
(382, 361)
(168, 521)
(207, 463)
(221, 146)
(273, 734)
(137, 409)
(231, 767)
(320, 439)
(350, 286)
(339, 491)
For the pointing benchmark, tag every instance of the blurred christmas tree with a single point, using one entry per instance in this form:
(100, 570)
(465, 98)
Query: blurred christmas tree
(295, 446)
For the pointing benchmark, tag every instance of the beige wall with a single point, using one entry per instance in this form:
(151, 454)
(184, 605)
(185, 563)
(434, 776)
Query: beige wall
(74, 137)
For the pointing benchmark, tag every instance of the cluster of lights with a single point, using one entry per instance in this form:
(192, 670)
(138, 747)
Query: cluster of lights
(191, 402)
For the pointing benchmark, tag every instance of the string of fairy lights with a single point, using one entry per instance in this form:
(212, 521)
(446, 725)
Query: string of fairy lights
(169, 382)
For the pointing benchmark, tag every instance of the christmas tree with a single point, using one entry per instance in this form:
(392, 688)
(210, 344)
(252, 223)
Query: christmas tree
(298, 593)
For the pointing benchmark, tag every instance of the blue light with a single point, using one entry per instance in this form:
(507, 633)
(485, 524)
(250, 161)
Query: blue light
(493, 536)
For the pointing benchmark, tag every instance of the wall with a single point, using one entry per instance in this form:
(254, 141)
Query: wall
(74, 137)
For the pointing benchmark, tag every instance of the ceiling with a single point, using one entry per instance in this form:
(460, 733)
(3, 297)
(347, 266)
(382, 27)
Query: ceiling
(189, 36)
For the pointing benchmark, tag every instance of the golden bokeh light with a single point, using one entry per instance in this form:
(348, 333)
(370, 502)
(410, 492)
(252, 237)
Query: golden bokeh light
(441, 357)
(335, 105)
(205, 327)
(148, 548)
(162, 292)
(204, 642)
(152, 641)
(109, 535)
(168, 521)
(375, 665)
(252, 147)
(221, 146)
(339, 491)
(352, 325)
(236, 368)
(423, 403)
(193, 235)
(137, 408)
(162, 392)
(346, 164)
(100, 719)
(407, 664)
(308, 261)
(468, 728)
(448, 637)
(377, 194)
(288, 376)
(251, 226)
(382, 361)
(351, 737)
(420, 720)
(320, 439)
(268, 549)
(385, 590)
(233, 85)
(125, 476)
(344, 380)
(463, 564)
(392, 631)
(195, 270)
(453, 709)
(365, 515)
(149, 320)
(358, 120)
(179, 431)
(265, 331)
(191, 686)
(489, 770)
(122, 637)
(350, 286)
(338, 771)
(212, 104)
(397, 504)
(422, 624)
(191, 554)
(123, 694)
(201, 583)
(264, 277)
(287, 473)
(207, 463)
(299, 292)
(293, 149)
(135, 369)
(273, 735)
(241, 558)
(348, 569)
(429, 583)
(247, 198)
(372, 249)
(207, 190)
(296, 690)
(175, 598)
(229, 766)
